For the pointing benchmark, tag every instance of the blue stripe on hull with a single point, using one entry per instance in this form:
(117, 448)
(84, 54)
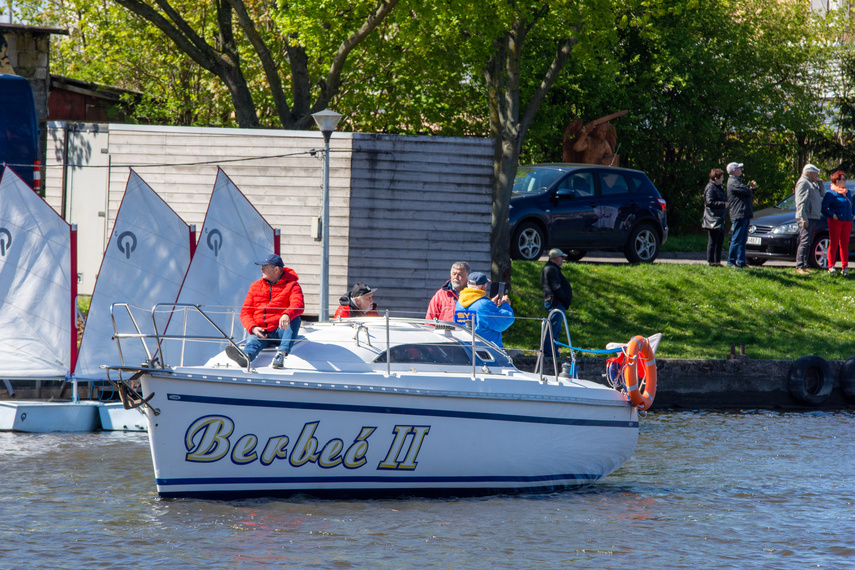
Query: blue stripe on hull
(410, 479)
(398, 411)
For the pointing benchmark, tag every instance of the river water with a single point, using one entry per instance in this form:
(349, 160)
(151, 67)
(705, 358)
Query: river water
(708, 490)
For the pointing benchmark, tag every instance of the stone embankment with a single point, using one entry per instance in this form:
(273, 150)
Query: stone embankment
(723, 384)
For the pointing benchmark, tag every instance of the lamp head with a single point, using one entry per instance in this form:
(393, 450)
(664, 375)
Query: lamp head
(326, 120)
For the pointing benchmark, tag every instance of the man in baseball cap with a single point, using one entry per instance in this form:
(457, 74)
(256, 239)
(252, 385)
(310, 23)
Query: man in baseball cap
(492, 316)
(358, 302)
(740, 203)
(557, 294)
(270, 313)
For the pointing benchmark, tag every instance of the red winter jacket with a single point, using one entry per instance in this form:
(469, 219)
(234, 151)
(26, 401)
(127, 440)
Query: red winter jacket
(265, 303)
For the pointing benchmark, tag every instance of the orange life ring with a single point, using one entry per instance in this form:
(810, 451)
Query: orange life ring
(639, 349)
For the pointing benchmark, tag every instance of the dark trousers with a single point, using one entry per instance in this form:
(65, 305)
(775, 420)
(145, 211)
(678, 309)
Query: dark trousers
(555, 322)
(803, 252)
(714, 243)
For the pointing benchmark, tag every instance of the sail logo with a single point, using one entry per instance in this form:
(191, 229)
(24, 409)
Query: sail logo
(5, 241)
(127, 243)
(215, 241)
(212, 438)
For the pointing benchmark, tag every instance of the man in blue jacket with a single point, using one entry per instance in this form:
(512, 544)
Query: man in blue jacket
(492, 316)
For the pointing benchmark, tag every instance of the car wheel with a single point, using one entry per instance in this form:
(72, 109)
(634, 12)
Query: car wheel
(819, 252)
(576, 254)
(755, 261)
(528, 242)
(643, 245)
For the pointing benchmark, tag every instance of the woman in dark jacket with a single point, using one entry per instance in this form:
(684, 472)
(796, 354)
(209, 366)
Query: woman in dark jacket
(715, 208)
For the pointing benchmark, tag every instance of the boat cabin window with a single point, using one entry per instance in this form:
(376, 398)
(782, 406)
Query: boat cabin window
(428, 354)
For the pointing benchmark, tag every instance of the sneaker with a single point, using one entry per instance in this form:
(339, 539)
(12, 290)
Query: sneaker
(279, 360)
(237, 356)
(802, 271)
(832, 270)
(845, 272)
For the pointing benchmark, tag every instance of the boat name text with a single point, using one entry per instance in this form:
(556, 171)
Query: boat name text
(212, 438)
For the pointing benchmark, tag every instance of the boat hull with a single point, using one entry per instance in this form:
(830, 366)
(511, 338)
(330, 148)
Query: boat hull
(218, 437)
(47, 417)
(114, 417)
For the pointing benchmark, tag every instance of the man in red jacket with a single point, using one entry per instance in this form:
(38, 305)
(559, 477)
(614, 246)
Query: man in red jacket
(271, 312)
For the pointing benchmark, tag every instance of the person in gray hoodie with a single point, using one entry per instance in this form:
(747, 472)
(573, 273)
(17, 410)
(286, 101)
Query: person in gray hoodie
(809, 193)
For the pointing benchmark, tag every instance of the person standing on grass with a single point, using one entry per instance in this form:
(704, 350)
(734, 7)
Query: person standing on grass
(808, 210)
(837, 206)
(557, 294)
(740, 202)
(715, 209)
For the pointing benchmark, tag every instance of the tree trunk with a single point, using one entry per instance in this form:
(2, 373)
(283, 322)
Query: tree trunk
(502, 74)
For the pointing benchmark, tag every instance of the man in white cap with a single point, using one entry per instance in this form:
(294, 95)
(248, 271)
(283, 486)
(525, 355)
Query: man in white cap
(809, 192)
(740, 203)
(557, 294)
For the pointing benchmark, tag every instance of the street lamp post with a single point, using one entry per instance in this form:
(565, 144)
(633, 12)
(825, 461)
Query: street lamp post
(326, 121)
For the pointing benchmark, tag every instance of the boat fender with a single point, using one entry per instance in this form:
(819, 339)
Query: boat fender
(810, 381)
(847, 379)
(639, 352)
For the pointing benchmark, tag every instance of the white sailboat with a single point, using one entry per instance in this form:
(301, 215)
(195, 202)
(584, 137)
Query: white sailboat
(145, 262)
(38, 329)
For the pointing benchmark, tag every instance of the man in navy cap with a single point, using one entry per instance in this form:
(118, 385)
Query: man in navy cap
(492, 316)
(271, 312)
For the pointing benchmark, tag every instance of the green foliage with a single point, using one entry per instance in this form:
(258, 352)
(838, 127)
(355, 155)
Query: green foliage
(108, 45)
(700, 310)
(706, 82)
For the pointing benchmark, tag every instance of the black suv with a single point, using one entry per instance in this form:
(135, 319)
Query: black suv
(581, 207)
(774, 234)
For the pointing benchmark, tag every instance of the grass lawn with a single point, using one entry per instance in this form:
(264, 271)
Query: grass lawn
(700, 310)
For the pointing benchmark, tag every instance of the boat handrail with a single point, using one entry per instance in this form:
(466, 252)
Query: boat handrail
(118, 336)
(157, 359)
(547, 334)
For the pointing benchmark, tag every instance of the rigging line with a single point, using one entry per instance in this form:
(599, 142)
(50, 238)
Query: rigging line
(311, 152)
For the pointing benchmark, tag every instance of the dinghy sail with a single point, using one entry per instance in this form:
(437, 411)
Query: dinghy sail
(38, 285)
(234, 236)
(145, 263)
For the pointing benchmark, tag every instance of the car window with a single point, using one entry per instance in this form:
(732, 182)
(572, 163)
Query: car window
(787, 204)
(580, 184)
(535, 180)
(613, 183)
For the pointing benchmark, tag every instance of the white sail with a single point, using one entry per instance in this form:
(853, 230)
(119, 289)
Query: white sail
(145, 263)
(233, 238)
(36, 300)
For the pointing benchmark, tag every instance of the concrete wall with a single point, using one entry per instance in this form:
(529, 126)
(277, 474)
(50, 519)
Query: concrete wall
(740, 384)
(402, 209)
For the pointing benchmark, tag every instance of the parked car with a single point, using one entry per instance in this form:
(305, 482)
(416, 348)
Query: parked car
(581, 207)
(774, 234)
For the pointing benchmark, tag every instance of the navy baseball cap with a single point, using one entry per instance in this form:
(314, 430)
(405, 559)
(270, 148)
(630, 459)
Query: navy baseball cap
(271, 259)
(478, 278)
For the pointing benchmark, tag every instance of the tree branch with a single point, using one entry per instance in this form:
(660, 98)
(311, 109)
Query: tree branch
(271, 71)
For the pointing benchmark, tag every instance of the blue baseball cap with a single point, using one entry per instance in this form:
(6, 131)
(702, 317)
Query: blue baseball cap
(478, 278)
(271, 259)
